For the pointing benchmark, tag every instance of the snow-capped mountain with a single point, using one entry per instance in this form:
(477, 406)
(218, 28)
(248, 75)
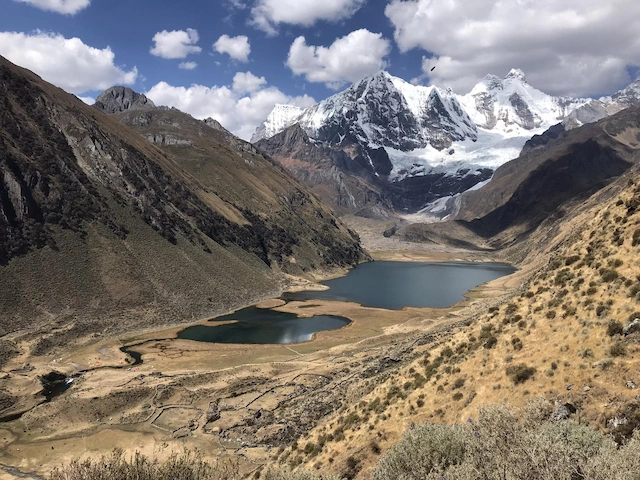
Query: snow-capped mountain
(603, 107)
(281, 117)
(511, 105)
(423, 143)
(429, 129)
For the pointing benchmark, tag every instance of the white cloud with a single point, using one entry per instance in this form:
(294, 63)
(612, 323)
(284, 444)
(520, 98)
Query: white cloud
(268, 14)
(247, 82)
(238, 112)
(237, 4)
(66, 7)
(175, 44)
(566, 47)
(65, 62)
(188, 65)
(238, 48)
(88, 100)
(348, 59)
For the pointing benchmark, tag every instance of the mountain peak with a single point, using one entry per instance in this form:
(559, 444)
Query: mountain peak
(119, 99)
(516, 73)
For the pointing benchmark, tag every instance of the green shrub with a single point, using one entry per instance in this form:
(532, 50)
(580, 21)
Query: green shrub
(421, 451)
(520, 373)
(512, 444)
(614, 327)
(618, 349)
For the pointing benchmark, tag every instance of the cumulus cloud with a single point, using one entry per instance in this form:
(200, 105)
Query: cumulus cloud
(175, 44)
(247, 82)
(188, 65)
(566, 47)
(65, 62)
(348, 59)
(239, 112)
(238, 48)
(268, 14)
(66, 7)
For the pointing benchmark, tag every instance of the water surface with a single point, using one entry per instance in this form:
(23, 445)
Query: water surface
(394, 285)
(258, 325)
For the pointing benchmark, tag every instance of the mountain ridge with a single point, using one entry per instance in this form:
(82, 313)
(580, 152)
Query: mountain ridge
(102, 230)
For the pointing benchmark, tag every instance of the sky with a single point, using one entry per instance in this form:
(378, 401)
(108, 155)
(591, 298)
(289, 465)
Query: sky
(233, 60)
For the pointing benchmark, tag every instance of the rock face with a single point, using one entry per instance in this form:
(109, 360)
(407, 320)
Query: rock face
(340, 180)
(419, 144)
(100, 227)
(120, 99)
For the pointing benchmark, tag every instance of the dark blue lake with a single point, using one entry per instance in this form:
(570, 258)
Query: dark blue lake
(260, 325)
(394, 285)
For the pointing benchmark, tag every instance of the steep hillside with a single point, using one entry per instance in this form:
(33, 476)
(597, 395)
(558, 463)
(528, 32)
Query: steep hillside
(241, 175)
(102, 230)
(569, 333)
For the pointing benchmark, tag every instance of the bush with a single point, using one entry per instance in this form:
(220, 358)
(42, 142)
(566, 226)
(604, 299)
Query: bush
(186, 466)
(571, 260)
(608, 274)
(516, 343)
(520, 373)
(491, 342)
(614, 327)
(459, 383)
(507, 443)
(618, 349)
(421, 451)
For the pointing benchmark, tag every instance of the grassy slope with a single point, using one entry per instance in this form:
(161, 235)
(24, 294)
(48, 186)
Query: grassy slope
(585, 275)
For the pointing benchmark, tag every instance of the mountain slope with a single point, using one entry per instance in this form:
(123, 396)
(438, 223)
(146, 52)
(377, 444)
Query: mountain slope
(567, 332)
(525, 191)
(100, 229)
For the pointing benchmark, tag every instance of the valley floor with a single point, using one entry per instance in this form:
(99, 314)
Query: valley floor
(243, 401)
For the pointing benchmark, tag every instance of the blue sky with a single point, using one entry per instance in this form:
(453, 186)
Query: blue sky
(301, 51)
(129, 26)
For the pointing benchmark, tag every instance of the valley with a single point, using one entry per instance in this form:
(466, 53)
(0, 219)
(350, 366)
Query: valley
(168, 285)
(242, 401)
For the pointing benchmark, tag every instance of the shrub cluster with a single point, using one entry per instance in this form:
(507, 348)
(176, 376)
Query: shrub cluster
(510, 444)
